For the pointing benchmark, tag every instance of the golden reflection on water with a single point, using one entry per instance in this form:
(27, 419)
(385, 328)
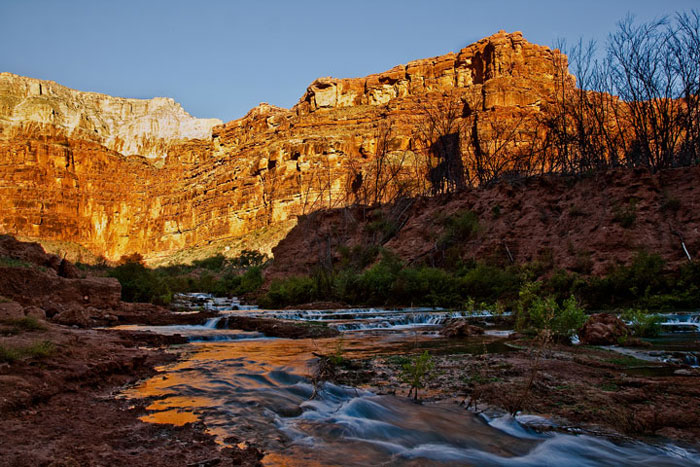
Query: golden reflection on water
(258, 356)
(254, 358)
(170, 417)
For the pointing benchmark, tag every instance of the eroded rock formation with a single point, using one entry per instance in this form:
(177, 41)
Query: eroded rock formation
(78, 167)
(147, 127)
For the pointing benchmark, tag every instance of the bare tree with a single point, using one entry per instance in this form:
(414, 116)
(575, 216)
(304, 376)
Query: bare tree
(437, 138)
(684, 45)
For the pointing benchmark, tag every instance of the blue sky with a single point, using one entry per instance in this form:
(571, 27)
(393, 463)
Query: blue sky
(220, 58)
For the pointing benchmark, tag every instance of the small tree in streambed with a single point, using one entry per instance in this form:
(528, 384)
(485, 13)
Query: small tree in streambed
(551, 321)
(643, 323)
(417, 373)
(546, 316)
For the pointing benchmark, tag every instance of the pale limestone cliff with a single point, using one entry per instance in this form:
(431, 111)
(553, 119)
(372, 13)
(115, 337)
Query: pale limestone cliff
(145, 127)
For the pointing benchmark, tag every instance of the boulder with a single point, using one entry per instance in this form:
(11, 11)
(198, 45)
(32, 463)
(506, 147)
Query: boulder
(460, 328)
(34, 312)
(602, 329)
(11, 310)
(68, 270)
(74, 316)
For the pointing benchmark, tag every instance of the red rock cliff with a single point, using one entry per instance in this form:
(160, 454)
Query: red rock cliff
(67, 172)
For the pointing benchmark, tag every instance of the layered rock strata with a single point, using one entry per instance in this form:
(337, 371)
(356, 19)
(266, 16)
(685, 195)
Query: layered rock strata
(147, 127)
(74, 166)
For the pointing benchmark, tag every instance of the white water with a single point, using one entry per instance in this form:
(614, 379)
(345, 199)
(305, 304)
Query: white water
(257, 391)
(364, 319)
(254, 388)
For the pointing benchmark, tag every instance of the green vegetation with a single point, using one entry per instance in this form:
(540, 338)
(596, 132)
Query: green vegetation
(642, 323)
(538, 314)
(390, 282)
(670, 203)
(6, 261)
(461, 226)
(626, 361)
(40, 349)
(381, 227)
(217, 275)
(643, 283)
(626, 215)
(27, 323)
(398, 360)
(337, 358)
(417, 372)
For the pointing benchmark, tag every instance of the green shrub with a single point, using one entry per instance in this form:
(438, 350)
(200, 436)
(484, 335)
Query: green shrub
(417, 373)
(376, 282)
(40, 349)
(290, 291)
(461, 226)
(250, 259)
(381, 227)
(140, 284)
(337, 358)
(358, 257)
(626, 215)
(28, 323)
(633, 284)
(214, 263)
(251, 280)
(490, 283)
(8, 354)
(346, 286)
(642, 323)
(670, 203)
(546, 314)
(6, 261)
(426, 286)
(216, 275)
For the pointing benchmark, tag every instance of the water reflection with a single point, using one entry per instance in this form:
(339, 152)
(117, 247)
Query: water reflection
(257, 391)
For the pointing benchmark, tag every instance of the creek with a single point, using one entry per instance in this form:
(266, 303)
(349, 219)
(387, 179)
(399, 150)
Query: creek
(249, 388)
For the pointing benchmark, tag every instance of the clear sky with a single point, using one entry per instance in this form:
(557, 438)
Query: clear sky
(220, 58)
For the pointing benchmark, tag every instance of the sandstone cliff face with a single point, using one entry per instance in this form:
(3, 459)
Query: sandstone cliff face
(64, 175)
(505, 68)
(146, 127)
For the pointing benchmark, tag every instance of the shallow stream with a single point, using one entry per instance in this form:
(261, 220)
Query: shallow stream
(247, 387)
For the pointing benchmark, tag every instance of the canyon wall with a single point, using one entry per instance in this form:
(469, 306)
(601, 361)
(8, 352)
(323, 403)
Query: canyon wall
(121, 176)
(147, 127)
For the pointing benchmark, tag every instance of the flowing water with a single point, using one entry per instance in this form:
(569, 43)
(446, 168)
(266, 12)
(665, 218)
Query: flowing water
(247, 387)
(678, 343)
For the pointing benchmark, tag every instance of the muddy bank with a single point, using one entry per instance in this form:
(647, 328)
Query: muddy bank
(58, 408)
(581, 386)
(58, 377)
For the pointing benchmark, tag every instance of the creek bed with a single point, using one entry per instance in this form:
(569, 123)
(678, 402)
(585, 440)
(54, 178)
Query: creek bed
(257, 390)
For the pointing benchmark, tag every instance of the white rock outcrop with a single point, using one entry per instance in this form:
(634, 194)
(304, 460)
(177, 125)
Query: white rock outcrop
(145, 127)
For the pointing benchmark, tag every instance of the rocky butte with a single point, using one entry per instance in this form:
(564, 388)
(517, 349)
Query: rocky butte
(120, 176)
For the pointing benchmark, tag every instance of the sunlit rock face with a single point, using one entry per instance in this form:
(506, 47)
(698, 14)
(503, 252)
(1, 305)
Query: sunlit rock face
(119, 176)
(147, 127)
(505, 68)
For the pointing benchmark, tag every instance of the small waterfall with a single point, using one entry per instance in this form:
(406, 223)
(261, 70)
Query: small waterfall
(681, 322)
(212, 322)
(197, 301)
(365, 319)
